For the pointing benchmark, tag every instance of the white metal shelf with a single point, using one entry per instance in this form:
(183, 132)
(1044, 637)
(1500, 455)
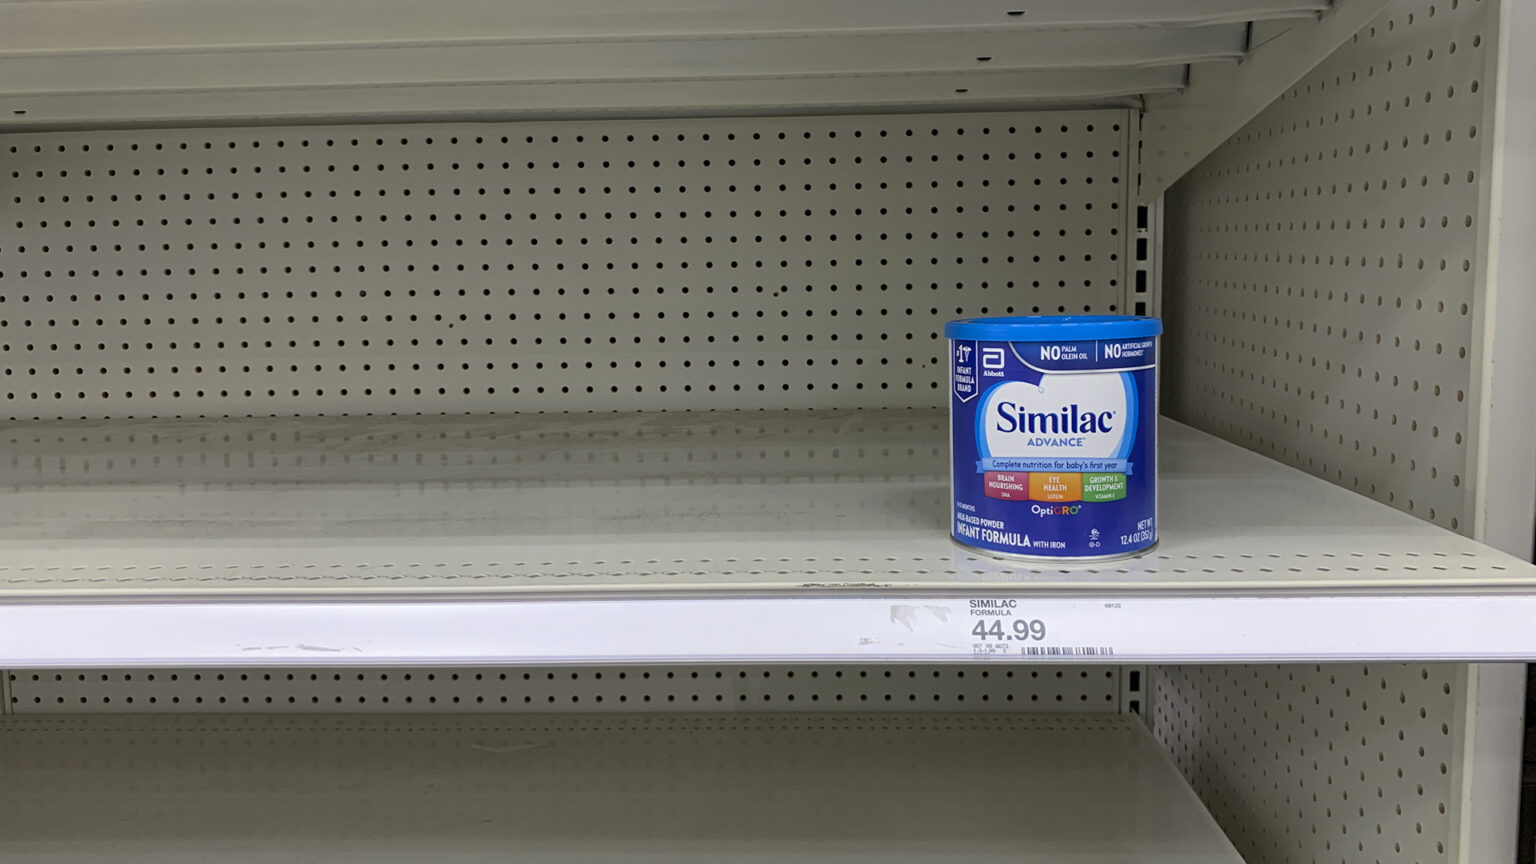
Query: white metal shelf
(172, 62)
(764, 536)
(622, 503)
(1084, 790)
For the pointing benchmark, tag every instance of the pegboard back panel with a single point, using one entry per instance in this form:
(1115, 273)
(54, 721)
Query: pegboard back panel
(1322, 266)
(583, 266)
(687, 689)
(1323, 764)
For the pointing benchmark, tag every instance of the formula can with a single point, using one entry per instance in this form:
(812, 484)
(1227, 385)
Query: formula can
(1053, 435)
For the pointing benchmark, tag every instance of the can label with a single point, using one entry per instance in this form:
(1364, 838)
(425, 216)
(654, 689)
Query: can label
(1054, 446)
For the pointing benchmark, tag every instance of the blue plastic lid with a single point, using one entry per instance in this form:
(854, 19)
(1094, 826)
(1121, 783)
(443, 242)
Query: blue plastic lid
(1053, 328)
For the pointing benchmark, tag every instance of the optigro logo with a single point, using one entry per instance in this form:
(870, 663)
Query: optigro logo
(1061, 510)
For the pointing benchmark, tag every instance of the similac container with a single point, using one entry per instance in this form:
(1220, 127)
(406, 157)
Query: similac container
(1053, 435)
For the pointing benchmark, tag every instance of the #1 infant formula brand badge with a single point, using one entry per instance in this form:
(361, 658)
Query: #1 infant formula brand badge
(963, 371)
(1053, 435)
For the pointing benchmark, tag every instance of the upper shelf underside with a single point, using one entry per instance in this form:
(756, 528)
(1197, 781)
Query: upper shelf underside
(73, 63)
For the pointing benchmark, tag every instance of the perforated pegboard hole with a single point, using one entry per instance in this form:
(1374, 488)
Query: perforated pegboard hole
(586, 689)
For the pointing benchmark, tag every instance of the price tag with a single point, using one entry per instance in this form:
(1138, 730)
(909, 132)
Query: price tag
(1013, 627)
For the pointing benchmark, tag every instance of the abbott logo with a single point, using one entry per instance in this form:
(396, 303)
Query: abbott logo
(992, 358)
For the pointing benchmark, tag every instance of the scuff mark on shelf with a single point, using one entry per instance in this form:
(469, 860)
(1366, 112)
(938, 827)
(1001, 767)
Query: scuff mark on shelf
(326, 649)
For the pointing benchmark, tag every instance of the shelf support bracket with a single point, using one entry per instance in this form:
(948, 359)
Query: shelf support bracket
(1180, 129)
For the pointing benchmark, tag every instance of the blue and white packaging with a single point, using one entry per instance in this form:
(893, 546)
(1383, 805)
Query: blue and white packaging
(1053, 435)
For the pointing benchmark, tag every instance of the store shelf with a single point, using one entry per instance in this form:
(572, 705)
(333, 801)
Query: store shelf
(1078, 789)
(118, 63)
(767, 501)
(770, 535)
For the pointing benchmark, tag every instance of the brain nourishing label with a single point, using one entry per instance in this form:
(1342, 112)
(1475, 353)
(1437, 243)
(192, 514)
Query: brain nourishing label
(1053, 435)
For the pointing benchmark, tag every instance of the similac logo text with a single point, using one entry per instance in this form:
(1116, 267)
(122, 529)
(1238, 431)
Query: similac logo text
(1067, 420)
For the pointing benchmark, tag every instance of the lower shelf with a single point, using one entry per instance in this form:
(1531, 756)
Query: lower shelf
(1065, 788)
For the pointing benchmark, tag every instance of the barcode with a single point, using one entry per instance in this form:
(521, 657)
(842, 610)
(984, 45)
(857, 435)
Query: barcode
(1051, 651)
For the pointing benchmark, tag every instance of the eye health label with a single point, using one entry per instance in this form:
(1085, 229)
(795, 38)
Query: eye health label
(1053, 435)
